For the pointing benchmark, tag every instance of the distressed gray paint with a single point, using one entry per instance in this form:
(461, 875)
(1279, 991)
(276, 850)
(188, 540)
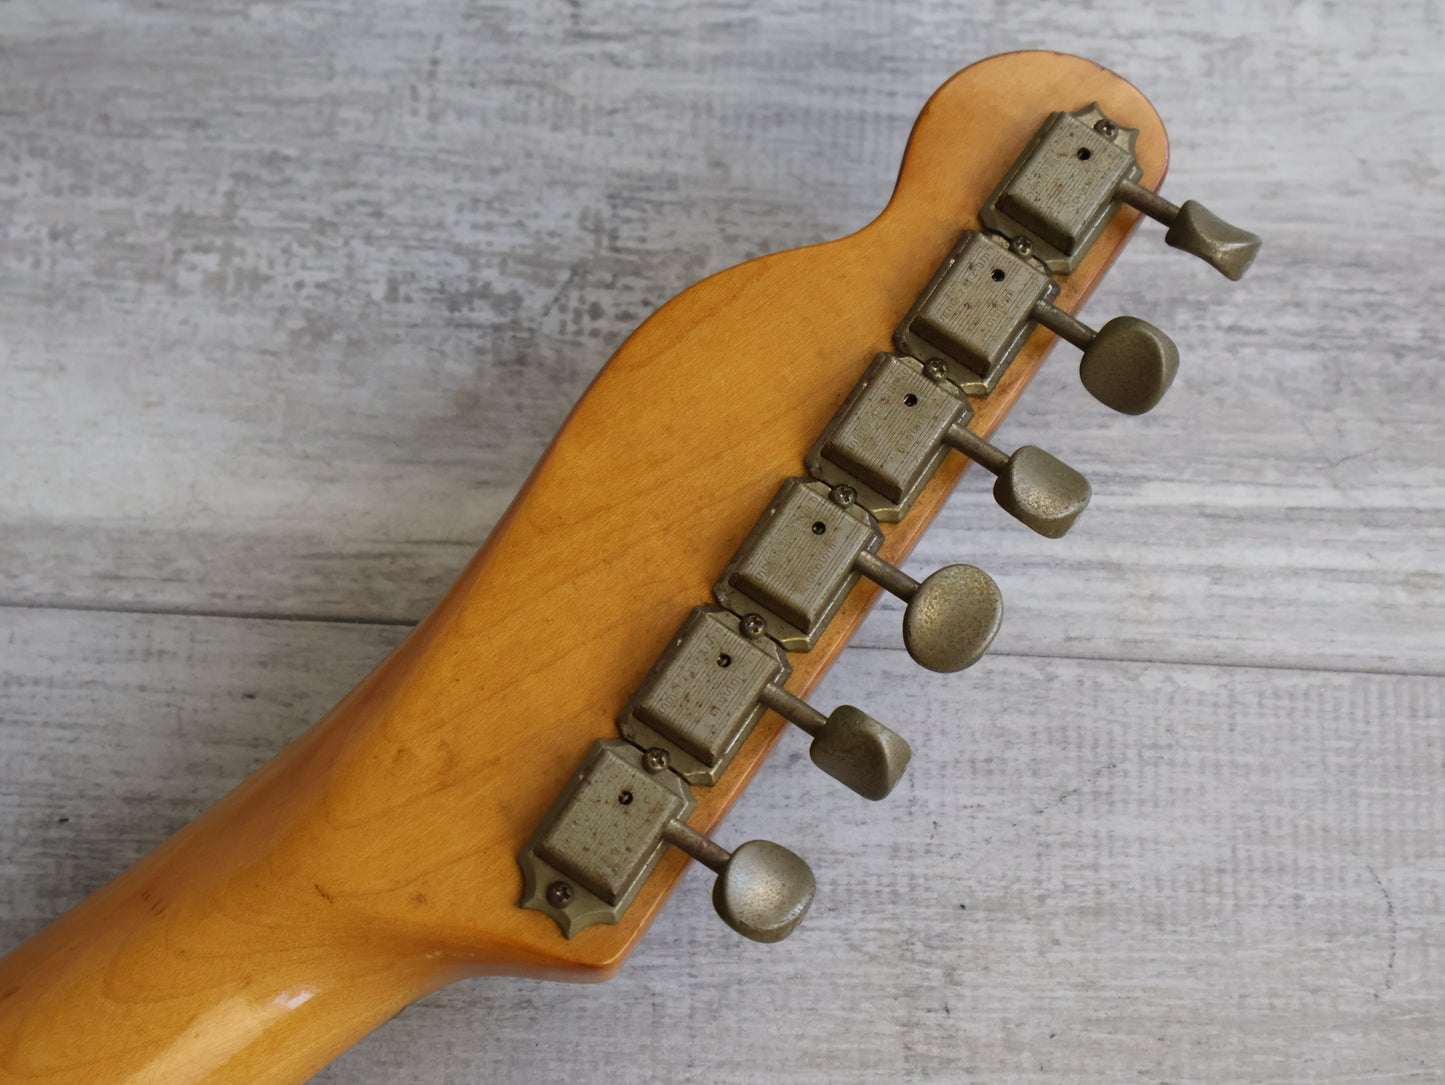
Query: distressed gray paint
(292, 295)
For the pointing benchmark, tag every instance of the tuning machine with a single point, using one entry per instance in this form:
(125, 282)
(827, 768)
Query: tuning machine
(1070, 181)
(709, 688)
(899, 422)
(610, 826)
(985, 301)
(808, 550)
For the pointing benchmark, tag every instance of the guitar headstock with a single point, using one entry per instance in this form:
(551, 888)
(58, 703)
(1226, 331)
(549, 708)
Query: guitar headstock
(666, 465)
(732, 476)
(396, 822)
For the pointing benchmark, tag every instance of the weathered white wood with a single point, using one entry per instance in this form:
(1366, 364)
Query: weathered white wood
(292, 295)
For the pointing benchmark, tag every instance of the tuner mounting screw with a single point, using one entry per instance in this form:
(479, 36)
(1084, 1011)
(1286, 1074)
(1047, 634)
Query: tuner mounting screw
(752, 625)
(844, 495)
(1022, 245)
(936, 370)
(1106, 128)
(559, 894)
(655, 760)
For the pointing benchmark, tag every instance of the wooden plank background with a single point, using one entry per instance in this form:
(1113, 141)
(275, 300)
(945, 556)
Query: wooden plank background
(292, 295)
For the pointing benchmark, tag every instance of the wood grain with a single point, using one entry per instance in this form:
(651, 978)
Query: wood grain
(333, 441)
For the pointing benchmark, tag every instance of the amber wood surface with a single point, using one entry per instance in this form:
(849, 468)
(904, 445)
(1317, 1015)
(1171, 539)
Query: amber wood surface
(374, 859)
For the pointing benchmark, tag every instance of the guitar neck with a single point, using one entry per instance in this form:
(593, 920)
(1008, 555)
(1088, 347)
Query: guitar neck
(374, 859)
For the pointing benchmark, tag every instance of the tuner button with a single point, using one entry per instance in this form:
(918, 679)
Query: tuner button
(763, 890)
(849, 745)
(1200, 231)
(1033, 486)
(860, 753)
(952, 618)
(1129, 365)
(1042, 491)
(1195, 229)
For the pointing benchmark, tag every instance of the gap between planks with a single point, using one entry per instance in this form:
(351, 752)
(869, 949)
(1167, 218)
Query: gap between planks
(1001, 653)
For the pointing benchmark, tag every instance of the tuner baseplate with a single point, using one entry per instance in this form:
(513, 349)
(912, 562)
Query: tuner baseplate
(1060, 193)
(602, 837)
(700, 701)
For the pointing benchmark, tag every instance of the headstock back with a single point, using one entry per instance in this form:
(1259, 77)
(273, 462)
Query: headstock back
(680, 443)
(376, 857)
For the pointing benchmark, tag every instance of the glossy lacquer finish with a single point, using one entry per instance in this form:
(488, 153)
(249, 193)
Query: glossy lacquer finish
(375, 858)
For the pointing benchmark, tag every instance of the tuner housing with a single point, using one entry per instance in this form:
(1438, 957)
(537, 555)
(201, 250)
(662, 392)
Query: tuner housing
(977, 311)
(887, 439)
(1047, 197)
(590, 854)
(700, 701)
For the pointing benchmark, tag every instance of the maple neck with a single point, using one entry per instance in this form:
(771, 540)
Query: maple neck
(374, 859)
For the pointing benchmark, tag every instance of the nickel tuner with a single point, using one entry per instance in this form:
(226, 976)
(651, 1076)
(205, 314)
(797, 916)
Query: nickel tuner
(1128, 364)
(894, 429)
(1069, 182)
(1035, 487)
(608, 829)
(1194, 229)
(806, 553)
(709, 688)
(951, 618)
(987, 298)
(848, 744)
(762, 891)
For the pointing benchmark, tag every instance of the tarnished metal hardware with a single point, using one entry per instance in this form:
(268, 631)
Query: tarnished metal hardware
(609, 827)
(894, 430)
(951, 618)
(710, 687)
(806, 553)
(795, 568)
(1072, 178)
(1128, 364)
(601, 838)
(1195, 229)
(1060, 192)
(630, 800)
(1035, 487)
(762, 891)
(977, 311)
(700, 700)
(848, 744)
(886, 441)
(986, 299)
